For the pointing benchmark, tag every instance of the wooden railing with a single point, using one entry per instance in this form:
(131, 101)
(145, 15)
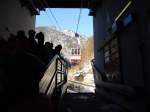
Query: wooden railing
(54, 77)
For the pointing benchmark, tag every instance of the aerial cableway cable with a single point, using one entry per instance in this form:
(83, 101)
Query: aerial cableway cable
(49, 19)
(48, 16)
(79, 18)
(44, 2)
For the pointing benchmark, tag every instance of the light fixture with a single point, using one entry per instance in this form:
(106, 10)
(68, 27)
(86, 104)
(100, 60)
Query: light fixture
(124, 9)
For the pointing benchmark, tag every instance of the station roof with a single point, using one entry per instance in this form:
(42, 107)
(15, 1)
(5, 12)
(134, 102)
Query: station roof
(67, 3)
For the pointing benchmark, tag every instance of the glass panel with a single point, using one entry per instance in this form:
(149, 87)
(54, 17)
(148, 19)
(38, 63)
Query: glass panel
(114, 49)
(107, 54)
(106, 48)
(72, 51)
(115, 57)
(76, 51)
(114, 42)
(107, 59)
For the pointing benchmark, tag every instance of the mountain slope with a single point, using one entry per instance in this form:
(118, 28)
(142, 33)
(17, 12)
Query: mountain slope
(66, 39)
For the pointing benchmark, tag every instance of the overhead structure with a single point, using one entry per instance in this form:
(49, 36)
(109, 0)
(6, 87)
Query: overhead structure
(67, 3)
(35, 6)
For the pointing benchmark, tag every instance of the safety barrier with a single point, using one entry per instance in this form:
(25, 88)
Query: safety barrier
(54, 77)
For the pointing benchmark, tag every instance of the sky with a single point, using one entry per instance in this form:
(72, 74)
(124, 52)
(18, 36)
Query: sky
(67, 19)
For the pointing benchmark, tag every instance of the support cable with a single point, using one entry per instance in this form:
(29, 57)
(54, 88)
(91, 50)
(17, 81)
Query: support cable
(79, 17)
(57, 23)
(48, 16)
(51, 21)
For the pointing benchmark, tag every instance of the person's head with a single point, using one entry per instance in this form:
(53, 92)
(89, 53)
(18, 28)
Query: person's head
(12, 38)
(21, 35)
(58, 49)
(2, 42)
(49, 45)
(40, 37)
(31, 33)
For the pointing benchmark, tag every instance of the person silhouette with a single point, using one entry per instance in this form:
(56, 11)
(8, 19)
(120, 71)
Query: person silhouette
(49, 50)
(41, 51)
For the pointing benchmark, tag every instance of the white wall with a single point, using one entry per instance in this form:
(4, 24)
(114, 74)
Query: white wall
(15, 17)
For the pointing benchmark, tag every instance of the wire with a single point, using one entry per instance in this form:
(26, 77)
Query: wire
(78, 22)
(52, 15)
(79, 18)
(54, 18)
(49, 18)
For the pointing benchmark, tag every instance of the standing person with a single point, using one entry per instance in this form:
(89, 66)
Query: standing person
(31, 41)
(58, 49)
(21, 41)
(41, 51)
(49, 50)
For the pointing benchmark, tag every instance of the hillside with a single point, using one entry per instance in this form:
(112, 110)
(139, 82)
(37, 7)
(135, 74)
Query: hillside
(68, 40)
(65, 37)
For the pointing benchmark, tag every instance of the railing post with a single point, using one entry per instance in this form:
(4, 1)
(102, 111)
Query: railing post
(61, 72)
(56, 69)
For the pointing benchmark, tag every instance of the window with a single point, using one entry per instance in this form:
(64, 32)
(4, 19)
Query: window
(78, 51)
(112, 64)
(72, 52)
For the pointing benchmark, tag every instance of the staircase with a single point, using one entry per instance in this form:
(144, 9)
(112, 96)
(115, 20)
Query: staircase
(78, 102)
(108, 98)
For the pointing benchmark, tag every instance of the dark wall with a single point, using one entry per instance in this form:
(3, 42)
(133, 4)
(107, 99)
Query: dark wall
(134, 40)
(105, 15)
(131, 58)
(99, 35)
(143, 12)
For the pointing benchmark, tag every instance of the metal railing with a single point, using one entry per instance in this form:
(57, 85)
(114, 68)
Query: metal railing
(54, 77)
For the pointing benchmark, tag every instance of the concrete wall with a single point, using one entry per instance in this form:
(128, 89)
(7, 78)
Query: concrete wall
(14, 17)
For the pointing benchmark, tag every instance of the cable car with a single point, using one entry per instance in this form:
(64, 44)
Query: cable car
(75, 55)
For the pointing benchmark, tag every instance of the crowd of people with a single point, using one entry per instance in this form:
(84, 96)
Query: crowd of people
(23, 60)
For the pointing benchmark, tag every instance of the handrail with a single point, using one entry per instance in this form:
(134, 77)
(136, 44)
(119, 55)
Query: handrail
(75, 82)
(54, 77)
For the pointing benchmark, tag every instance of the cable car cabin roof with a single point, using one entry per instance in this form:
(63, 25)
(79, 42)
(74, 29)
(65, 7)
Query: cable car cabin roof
(67, 3)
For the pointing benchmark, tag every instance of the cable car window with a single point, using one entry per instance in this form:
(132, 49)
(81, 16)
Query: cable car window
(72, 51)
(76, 51)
